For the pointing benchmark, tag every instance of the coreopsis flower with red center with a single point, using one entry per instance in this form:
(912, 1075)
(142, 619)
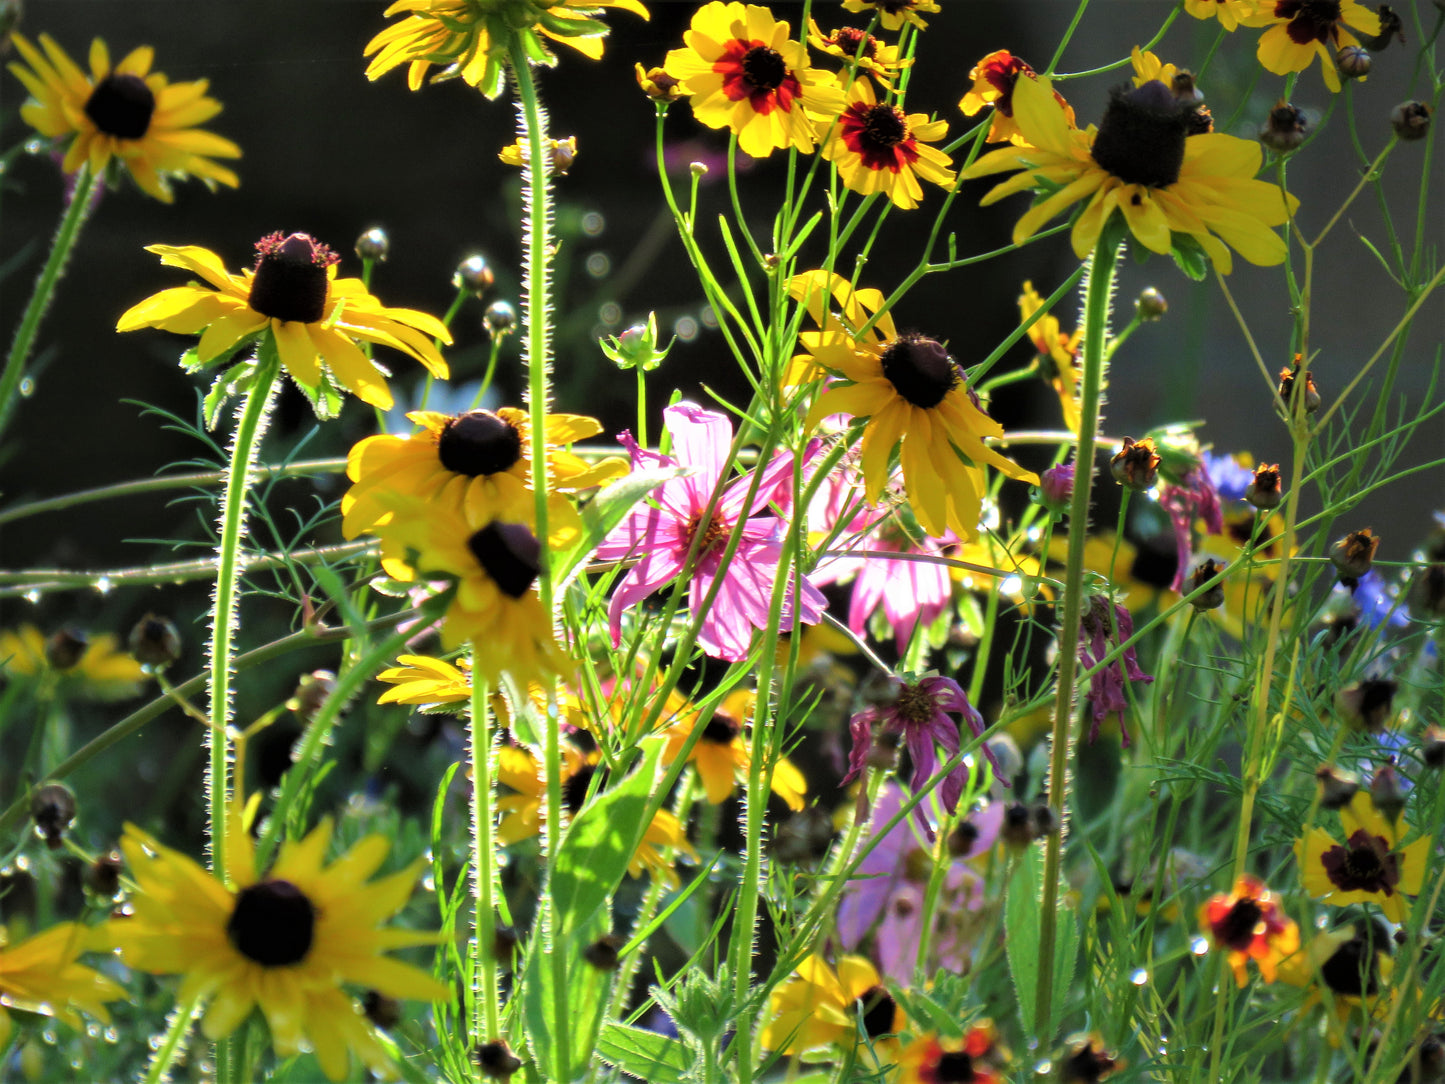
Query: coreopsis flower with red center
(744, 74)
(819, 1007)
(1058, 353)
(293, 295)
(993, 85)
(1230, 13)
(1300, 30)
(468, 38)
(894, 13)
(972, 1059)
(912, 394)
(1371, 866)
(1250, 924)
(879, 148)
(1096, 639)
(123, 113)
(1143, 162)
(854, 46)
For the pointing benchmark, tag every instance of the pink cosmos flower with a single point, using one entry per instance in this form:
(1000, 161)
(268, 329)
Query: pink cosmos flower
(658, 534)
(919, 713)
(1194, 497)
(1096, 639)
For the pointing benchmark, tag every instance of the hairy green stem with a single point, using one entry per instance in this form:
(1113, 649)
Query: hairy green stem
(486, 1027)
(1096, 313)
(178, 1024)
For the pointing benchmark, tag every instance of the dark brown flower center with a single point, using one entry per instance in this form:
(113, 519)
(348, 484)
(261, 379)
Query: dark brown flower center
(121, 106)
(1366, 864)
(721, 729)
(574, 788)
(1351, 970)
(920, 370)
(878, 1009)
(954, 1067)
(479, 442)
(915, 706)
(715, 537)
(509, 553)
(763, 68)
(884, 127)
(273, 924)
(1309, 20)
(1141, 138)
(1236, 929)
(855, 42)
(290, 281)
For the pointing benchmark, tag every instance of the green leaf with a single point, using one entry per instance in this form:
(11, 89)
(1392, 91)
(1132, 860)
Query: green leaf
(1189, 255)
(605, 511)
(1066, 957)
(1021, 934)
(645, 1054)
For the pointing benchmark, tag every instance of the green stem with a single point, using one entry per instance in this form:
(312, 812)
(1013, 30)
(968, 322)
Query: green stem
(60, 250)
(173, 1042)
(1096, 316)
(224, 609)
(488, 1026)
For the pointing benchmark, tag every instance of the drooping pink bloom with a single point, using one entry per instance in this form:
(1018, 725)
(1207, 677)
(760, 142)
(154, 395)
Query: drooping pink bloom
(658, 533)
(1194, 497)
(892, 880)
(1096, 639)
(919, 714)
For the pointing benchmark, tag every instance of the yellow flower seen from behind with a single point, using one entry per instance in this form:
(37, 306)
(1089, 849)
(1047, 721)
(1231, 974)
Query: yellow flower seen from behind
(40, 975)
(821, 1007)
(71, 662)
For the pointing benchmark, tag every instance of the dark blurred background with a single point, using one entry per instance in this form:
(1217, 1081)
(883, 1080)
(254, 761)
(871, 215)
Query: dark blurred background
(332, 154)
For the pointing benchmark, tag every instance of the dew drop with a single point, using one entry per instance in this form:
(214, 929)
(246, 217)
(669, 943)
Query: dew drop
(708, 317)
(35, 146)
(92, 1030)
(1011, 585)
(599, 264)
(1199, 946)
(1044, 1067)
(429, 883)
(593, 224)
(685, 328)
(26, 388)
(50, 1036)
(110, 1035)
(1139, 976)
(610, 313)
(32, 596)
(103, 585)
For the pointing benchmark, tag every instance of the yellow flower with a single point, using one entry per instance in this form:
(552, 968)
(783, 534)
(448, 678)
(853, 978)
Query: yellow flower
(1370, 866)
(283, 942)
(854, 46)
(1249, 924)
(910, 391)
(721, 752)
(1230, 13)
(123, 112)
(967, 1060)
(525, 812)
(40, 975)
(426, 682)
(87, 667)
(468, 38)
(994, 78)
(1058, 352)
(744, 74)
(877, 148)
(1300, 30)
(478, 463)
(894, 13)
(1353, 963)
(1116, 559)
(562, 152)
(819, 1007)
(1142, 162)
(315, 318)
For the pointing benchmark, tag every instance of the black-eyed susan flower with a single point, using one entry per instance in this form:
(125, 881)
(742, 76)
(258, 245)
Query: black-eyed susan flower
(1300, 30)
(1230, 13)
(1250, 924)
(40, 975)
(993, 85)
(1371, 866)
(479, 463)
(879, 148)
(524, 812)
(1142, 162)
(284, 942)
(912, 392)
(1058, 353)
(820, 1007)
(123, 113)
(424, 681)
(1353, 963)
(293, 294)
(722, 752)
(855, 46)
(468, 39)
(894, 13)
(935, 1059)
(743, 73)
(70, 663)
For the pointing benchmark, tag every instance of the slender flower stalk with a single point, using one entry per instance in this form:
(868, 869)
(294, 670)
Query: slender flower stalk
(485, 990)
(60, 250)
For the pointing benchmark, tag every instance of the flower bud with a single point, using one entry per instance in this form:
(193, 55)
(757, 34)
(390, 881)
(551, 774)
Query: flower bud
(698, 170)
(500, 318)
(495, 1059)
(1056, 488)
(657, 84)
(1336, 787)
(66, 648)
(474, 274)
(1354, 554)
(1150, 304)
(311, 692)
(1285, 128)
(154, 642)
(1367, 705)
(1353, 62)
(373, 245)
(1286, 388)
(1212, 598)
(604, 953)
(1136, 465)
(1265, 492)
(636, 348)
(52, 807)
(1411, 120)
(1387, 794)
(103, 875)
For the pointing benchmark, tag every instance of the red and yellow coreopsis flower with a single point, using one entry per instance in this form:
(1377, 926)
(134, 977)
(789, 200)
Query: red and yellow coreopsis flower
(879, 148)
(1371, 866)
(1300, 30)
(1251, 925)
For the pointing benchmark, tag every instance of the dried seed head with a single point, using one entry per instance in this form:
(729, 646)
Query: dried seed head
(500, 318)
(1367, 705)
(66, 648)
(1411, 120)
(1287, 392)
(1391, 27)
(1265, 492)
(103, 875)
(495, 1059)
(1387, 794)
(1285, 128)
(154, 642)
(1432, 747)
(1354, 554)
(1136, 465)
(52, 807)
(311, 692)
(1336, 787)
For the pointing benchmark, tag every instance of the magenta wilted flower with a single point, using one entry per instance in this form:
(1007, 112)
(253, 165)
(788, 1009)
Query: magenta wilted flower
(659, 535)
(1096, 639)
(1056, 488)
(888, 890)
(1193, 496)
(919, 714)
